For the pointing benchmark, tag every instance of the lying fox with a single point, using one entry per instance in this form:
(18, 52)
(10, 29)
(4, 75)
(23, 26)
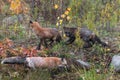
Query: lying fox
(89, 37)
(36, 62)
(45, 33)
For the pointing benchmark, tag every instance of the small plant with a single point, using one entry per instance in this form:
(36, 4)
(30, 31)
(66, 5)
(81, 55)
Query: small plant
(58, 47)
(93, 75)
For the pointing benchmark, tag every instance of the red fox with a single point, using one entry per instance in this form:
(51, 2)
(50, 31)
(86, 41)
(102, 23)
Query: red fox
(45, 33)
(36, 62)
(45, 62)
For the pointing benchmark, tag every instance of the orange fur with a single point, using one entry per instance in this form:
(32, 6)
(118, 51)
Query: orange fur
(45, 62)
(45, 33)
(36, 62)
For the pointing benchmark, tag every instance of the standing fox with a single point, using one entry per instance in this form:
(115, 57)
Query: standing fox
(51, 34)
(88, 36)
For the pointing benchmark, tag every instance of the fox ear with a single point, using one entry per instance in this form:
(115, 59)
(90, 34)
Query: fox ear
(31, 22)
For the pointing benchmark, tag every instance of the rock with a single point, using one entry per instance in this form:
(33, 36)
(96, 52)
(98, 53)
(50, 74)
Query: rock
(20, 19)
(12, 20)
(115, 63)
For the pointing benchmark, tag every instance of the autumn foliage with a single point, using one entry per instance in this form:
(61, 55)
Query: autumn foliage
(7, 49)
(1, 6)
(5, 46)
(18, 6)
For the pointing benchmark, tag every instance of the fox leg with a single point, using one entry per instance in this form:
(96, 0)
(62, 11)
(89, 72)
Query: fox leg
(39, 45)
(58, 38)
(45, 43)
(71, 40)
(51, 41)
(88, 44)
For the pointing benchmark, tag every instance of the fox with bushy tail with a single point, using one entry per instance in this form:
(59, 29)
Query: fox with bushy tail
(88, 36)
(36, 62)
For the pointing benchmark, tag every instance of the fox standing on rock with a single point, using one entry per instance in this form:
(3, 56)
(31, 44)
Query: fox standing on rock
(52, 34)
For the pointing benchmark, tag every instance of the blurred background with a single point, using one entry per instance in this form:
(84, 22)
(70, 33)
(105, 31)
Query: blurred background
(95, 14)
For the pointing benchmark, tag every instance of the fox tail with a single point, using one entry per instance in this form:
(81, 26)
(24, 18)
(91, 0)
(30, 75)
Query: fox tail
(13, 60)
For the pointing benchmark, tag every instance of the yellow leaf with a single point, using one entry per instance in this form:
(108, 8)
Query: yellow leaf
(15, 6)
(69, 9)
(56, 6)
(17, 0)
(68, 17)
(64, 35)
(108, 49)
(57, 24)
(63, 16)
(66, 12)
(58, 18)
(61, 21)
